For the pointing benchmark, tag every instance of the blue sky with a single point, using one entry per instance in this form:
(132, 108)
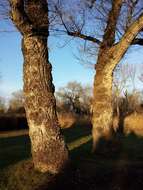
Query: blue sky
(65, 66)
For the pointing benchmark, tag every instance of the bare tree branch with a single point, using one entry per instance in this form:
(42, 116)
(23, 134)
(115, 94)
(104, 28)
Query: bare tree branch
(83, 36)
(128, 38)
(76, 33)
(19, 17)
(137, 41)
(109, 35)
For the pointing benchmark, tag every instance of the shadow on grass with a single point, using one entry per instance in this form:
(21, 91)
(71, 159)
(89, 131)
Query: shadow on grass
(117, 164)
(14, 149)
(77, 131)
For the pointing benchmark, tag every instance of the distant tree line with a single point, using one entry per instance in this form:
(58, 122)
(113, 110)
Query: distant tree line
(76, 99)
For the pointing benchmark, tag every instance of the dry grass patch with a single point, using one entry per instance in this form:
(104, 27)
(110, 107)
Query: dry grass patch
(22, 176)
(66, 120)
(134, 124)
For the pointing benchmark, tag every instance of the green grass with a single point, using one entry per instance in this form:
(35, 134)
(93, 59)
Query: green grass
(14, 152)
(13, 149)
(123, 153)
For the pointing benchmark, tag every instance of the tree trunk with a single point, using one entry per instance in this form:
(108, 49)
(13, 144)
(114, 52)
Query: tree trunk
(102, 104)
(48, 148)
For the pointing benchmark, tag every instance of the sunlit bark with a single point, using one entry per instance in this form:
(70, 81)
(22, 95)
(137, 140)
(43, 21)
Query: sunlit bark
(48, 148)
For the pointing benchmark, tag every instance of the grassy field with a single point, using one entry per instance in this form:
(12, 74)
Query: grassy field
(15, 147)
(117, 167)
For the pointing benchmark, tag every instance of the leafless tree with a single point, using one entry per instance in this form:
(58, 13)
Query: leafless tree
(124, 92)
(123, 79)
(48, 147)
(2, 105)
(112, 26)
(76, 97)
(16, 102)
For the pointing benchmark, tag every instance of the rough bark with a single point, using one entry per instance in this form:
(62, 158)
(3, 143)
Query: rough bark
(110, 53)
(109, 33)
(108, 58)
(48, 148)
(102, 105)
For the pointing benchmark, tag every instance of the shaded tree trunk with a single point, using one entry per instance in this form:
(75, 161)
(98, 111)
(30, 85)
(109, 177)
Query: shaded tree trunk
(48, 148)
